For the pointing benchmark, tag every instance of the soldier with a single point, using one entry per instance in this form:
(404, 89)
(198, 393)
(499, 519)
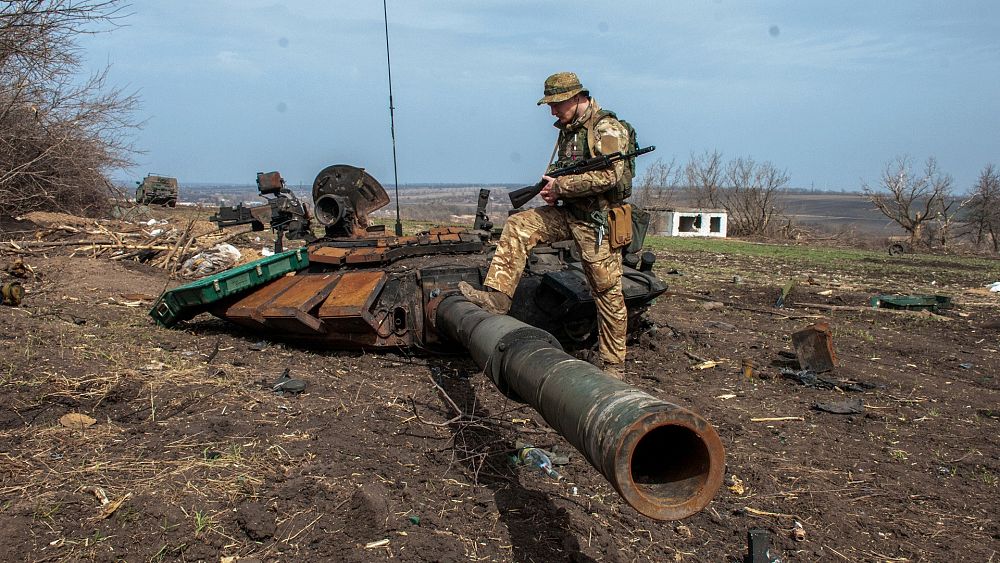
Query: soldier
(585, 131)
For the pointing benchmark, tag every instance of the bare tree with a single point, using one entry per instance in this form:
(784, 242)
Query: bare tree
(910, 199)
(704, 175)
(946, 212)
(751, 196)
(983, 210)
(748, 191)
(59, 136)
(658, 184)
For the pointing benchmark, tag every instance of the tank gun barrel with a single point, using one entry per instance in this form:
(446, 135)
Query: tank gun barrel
(664, 460)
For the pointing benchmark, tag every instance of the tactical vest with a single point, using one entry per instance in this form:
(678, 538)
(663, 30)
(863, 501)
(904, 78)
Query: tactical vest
(576, 145)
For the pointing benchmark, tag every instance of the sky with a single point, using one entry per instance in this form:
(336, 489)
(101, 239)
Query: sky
(828, 91)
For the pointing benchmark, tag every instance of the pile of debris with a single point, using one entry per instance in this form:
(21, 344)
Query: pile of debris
(181, 250)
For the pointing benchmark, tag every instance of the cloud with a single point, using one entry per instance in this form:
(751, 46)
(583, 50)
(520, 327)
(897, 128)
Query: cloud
(236, 63)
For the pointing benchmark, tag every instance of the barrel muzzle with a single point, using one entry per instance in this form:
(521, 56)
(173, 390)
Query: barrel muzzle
(664, 460)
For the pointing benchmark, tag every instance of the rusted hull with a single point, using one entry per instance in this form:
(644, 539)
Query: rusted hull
(339, 309)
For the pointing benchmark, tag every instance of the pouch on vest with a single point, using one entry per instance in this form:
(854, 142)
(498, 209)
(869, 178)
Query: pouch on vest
(620, 219)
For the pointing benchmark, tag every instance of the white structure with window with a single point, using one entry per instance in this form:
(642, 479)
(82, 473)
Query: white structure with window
(689, 222)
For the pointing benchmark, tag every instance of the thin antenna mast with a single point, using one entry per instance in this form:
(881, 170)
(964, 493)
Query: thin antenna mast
(392, 119)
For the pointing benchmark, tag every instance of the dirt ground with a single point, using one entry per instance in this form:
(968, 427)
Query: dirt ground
(199, 460)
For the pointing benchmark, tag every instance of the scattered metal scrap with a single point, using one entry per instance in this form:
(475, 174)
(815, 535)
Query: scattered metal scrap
(287, 384)
(785, 292)
(809, 378)
(846, 406)
(911, 302)
(759, 547)
(12, 293)
(814, 348)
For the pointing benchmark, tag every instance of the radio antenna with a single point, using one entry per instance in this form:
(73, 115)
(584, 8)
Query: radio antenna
(392, 119)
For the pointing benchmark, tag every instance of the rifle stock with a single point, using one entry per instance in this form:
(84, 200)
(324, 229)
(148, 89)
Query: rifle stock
(523, 195)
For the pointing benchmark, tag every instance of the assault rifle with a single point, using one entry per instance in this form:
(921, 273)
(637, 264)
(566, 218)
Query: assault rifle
(521, 196)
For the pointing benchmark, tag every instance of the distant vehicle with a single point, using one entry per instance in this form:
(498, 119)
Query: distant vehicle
(899, 245)
(157, 190)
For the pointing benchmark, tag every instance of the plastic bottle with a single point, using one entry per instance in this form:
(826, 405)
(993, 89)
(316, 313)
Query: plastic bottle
(536, 458)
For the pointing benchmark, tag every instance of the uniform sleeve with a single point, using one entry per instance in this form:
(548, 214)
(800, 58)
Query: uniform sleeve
(610, 136)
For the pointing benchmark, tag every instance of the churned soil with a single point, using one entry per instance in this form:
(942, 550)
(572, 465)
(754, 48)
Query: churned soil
(192, 456)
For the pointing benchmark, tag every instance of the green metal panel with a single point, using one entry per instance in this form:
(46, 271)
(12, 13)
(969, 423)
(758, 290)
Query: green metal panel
(186, 301)
(932, 302)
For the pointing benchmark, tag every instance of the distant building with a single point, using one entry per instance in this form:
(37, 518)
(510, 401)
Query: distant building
(680, 222)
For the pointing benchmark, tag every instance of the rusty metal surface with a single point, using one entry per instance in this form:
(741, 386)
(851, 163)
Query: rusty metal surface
(247, 310)
(366, 256)
(353, 295)
(382, 250)
(12, 293)
(348, 195)
(290, 310)
(269, 182)
(330, 255)
(622, 431)
(389, 307)
(814, 347)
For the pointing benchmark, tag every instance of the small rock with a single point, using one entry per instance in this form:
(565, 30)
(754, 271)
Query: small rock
(368, 512)
(798, 532)
(256, 521)
(721, 326)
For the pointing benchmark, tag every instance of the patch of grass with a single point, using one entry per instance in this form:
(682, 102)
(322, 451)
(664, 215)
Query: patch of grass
(815, 256)
(859, 333)
(97, 537)
(166, 526)
(989, 478)
(859, 263)
(411, 227)
(126, 515)
(8, 373)
(899, 455)
(160, 554)
(46, 512)
(167, 551)
(201, 522)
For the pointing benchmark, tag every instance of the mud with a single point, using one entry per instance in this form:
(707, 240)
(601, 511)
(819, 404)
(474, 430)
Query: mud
(208, 462)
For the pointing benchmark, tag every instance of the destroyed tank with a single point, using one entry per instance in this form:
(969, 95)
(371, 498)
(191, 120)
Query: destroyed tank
(361, 287)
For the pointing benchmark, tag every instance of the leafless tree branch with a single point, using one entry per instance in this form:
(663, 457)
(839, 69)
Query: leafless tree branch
(59, 136)
(910, 198)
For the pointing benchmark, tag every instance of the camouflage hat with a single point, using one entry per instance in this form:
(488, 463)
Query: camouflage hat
(560, 87)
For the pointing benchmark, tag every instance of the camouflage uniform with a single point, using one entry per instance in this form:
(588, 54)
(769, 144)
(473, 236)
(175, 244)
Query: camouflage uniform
(586, 199)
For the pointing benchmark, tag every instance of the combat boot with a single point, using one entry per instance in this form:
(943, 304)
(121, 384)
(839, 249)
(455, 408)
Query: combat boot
(616, 371)
(492, 301)
(592, 357)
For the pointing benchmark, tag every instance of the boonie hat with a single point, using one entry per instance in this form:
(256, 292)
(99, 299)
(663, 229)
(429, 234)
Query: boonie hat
(560, 87)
